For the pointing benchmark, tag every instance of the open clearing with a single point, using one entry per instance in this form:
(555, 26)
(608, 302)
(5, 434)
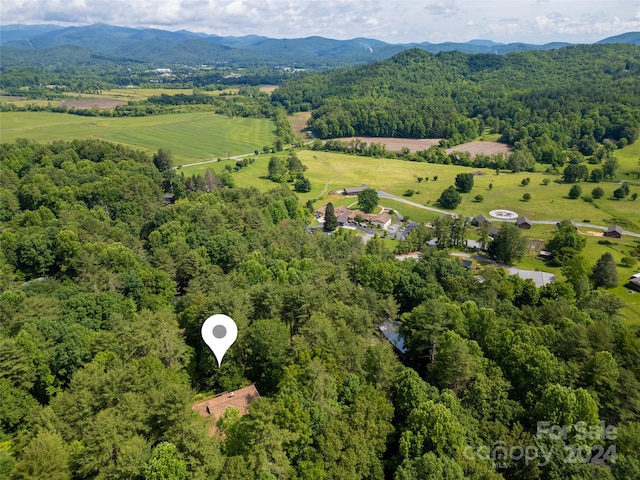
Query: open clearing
(480, 146)
(268, 88)
(331, 172)
(395, 144)
(191, 137)
(298, 123)
(414, 145)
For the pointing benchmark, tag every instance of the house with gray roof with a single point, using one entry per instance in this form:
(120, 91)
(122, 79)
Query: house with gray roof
(614, 231)
(354, 190)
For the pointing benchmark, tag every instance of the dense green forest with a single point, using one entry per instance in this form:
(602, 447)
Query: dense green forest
(543, 101)
(105, 287)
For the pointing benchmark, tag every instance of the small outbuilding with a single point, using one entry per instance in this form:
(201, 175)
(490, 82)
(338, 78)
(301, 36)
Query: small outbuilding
(354, 190)
(523, 222)
(480, 219)
(614, 231)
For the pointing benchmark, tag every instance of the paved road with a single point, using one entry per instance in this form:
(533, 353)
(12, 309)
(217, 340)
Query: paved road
(382, 194)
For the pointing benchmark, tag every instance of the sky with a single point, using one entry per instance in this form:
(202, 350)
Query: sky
(394, 21)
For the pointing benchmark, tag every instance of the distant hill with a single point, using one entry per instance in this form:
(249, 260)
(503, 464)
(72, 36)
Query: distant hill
(9, 33)
(452, 95)
(630, 37)
(151, 45)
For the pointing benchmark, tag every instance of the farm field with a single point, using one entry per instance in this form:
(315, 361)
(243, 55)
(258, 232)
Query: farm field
(481, 146)
(110, 98)
(298, 123)
(24, 101)
(137, 93)
(395, 144)
(191, 137)
(415, 144)
(102, 103)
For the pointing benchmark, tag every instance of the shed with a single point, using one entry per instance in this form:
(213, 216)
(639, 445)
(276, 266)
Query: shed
(354, 190)
(480, 219)
(614, 231)
(523, 222)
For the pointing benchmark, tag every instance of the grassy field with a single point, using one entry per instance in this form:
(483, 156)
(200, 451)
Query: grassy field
(136, 94)
(123, 94)
(23, 101)
(629, 159)
(328, 171)
(332, 171)
(191, 137)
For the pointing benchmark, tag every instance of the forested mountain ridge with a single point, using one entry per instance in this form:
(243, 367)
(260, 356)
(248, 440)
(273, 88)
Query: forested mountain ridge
(558, 97)
(104, 288)
(183, 47)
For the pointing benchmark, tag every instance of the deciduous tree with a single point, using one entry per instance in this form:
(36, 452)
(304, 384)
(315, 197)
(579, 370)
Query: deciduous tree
(368, 200)
(450, 198)
(464, 182)
(508, 245)
(163, 159)
(575, 192)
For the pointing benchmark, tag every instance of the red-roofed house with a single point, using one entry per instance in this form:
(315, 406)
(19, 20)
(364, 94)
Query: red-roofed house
(216, 406)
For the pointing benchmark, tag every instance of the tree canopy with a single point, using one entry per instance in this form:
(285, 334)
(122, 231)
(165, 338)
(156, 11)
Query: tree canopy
(450, 198)
(368, 200)
(508, 245)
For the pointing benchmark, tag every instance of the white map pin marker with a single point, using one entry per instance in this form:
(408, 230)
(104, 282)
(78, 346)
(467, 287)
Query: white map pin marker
(219, 332)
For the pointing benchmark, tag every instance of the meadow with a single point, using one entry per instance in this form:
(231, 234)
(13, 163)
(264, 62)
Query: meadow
(192, 137)
(135, 94)
(332, 171)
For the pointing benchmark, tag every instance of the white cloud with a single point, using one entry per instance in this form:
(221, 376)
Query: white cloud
(443, 7)
(391, 20)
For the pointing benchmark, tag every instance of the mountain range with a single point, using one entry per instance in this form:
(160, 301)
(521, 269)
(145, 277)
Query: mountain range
(26, 44)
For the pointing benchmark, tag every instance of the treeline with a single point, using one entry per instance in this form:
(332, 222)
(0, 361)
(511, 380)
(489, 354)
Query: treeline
(104, 288)
(548, 102)
(30, 78)
(434, 154)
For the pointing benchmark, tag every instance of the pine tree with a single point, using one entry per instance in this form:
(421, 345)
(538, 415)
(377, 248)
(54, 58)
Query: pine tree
(605, 273)
(330, 220)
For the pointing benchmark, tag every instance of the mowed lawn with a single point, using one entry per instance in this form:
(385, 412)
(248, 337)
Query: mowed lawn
(192, 137)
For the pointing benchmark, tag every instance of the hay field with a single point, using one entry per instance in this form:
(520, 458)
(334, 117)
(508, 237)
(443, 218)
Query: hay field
(192, 137)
